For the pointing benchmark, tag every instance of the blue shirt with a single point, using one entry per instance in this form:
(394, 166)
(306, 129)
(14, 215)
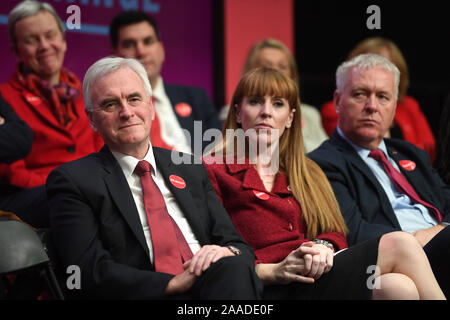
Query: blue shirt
(411, 216)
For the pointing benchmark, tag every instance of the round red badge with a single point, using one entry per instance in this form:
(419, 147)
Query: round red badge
(177, 181)
(183, 109)
(32, 99)
(261, 195)
(407, 165)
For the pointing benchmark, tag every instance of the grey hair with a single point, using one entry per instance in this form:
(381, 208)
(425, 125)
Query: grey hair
(366, 61)
(26, 9)
(106, 66)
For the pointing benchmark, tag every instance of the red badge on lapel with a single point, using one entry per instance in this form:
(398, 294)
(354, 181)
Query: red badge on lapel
(183, 109)
(261, 195)
(177, 181)
(32, 99)
(407, 165)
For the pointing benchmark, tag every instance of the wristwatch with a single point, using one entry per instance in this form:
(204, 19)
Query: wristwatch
(325, 243)
(235, 250)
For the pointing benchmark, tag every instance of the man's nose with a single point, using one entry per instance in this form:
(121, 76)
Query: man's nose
(140, 49)
(126, 110)
(371, 103)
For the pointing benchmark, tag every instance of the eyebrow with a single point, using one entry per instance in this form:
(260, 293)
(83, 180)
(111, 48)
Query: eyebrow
(134, 94)
(108, 100)
(114, 99)
(135, 40)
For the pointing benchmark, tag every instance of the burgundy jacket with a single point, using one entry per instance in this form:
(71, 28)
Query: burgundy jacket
(270, 222)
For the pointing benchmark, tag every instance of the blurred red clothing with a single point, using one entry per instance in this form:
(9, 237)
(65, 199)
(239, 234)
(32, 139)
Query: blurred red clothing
(53, 143)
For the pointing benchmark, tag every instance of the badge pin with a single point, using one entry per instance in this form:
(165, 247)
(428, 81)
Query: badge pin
(261, 195)
(177, 181)
(183, 109)
(32, 99)
(407, 165)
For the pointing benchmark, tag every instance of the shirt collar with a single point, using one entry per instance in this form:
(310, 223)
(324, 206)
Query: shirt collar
(363, 152)
(158, 92)
(251, 179)
(128, 163)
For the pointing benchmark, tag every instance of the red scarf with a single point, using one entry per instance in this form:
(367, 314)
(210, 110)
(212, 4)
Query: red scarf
(59, 97)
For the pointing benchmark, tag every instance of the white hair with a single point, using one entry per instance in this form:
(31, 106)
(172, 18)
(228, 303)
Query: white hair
(30, 8)
(107, 65)
(365, 62)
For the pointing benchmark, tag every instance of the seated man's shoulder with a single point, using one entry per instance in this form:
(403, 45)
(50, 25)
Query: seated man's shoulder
(89, 165)
(407, 148)
(326, 152)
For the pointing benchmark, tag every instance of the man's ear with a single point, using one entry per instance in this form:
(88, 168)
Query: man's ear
(337, 101)
(90, 115)
(152, 109)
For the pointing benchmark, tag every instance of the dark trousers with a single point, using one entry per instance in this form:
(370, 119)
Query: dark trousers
(230, 278)
(30, 205)
(438, 253)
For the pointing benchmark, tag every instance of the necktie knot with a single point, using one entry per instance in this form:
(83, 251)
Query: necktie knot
(377, 154)
(142, 168)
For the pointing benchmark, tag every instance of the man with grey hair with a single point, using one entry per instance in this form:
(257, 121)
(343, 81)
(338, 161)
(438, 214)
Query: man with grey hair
(137, 225)
(382, 185)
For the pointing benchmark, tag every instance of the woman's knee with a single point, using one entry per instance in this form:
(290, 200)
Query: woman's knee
(395, 286)
(399, 242)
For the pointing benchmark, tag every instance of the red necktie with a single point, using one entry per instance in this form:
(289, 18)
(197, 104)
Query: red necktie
(402, 185)
(155, 132)
(169, 245)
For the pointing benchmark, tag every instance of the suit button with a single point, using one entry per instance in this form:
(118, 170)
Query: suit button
(71, 149)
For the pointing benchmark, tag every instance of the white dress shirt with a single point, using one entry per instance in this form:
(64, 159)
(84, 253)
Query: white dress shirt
(128, 164)
(171, 131)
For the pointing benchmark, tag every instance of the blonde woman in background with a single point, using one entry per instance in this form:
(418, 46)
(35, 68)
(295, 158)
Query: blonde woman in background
(272, 53)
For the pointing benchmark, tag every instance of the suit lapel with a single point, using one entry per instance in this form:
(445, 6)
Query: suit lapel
(121, 195)
(184, 198)
(413, 176)
(352, 156)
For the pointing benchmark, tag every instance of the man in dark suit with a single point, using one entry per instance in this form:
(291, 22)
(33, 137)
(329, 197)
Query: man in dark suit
(101, 213)
(134, 34)
(373, 194)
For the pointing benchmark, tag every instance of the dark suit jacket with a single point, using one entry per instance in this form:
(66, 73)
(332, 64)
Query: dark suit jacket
(362, 200)
(95, 224)
(16, 137)
(202, 108)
